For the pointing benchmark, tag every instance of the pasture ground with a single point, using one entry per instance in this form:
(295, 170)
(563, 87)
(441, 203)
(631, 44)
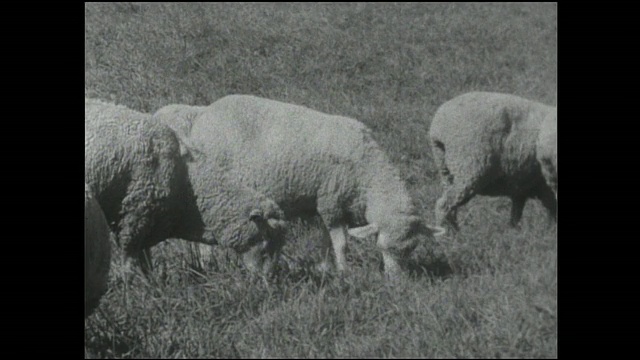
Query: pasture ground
(490, 291)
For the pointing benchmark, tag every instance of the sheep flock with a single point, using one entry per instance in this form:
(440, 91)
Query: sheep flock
(235, 172)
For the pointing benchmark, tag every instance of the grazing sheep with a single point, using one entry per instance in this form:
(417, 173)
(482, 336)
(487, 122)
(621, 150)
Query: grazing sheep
(486, 144)
(97, 252)
(238, 217)
(310, 163)
(134, 168)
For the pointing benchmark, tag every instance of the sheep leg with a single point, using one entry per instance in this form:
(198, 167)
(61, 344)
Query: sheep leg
(327, 262)
(392, 267)
(453, 197)
(332, 216)
(550, 202)
(326, 247)
(390, 258)
(517, 207)
(339, 242)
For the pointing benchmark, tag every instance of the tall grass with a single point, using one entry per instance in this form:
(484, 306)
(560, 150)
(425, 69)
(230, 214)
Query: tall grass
(491, 291)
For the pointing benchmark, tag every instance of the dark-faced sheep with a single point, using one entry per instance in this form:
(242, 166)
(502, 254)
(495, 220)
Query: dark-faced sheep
(97, 252)
(490, 144)
(310, 163)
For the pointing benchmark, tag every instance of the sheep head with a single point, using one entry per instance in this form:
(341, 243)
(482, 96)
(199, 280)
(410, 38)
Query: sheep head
(262, 255)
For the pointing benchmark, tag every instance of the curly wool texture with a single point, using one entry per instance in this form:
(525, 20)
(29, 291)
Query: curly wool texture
(179, 118)
(308, 162)
(486, 144)
(226, 207)
(133, 166)
(97, 252)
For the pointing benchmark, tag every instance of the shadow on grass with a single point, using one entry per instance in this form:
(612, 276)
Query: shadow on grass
(302, 271)
(435, 267)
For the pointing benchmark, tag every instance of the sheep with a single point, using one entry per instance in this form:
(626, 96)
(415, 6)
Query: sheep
(218, 210)
(489, 144)
(97, 252)
(310, 163)
(237, 216)
(134, 168)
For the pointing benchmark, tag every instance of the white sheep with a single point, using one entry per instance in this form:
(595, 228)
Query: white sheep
(237, 216)
(134, 167)
(134, 162)
(487, 144)
(310, 163)
(97, 252)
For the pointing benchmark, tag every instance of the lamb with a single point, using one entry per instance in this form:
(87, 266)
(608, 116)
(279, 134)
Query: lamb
(310, 163)
(97, 252)
(491, 144)
(134, 168)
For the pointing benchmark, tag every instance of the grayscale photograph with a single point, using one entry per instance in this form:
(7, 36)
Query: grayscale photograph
(320, 180)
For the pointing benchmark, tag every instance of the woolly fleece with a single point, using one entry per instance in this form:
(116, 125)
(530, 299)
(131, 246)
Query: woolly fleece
(134, 168)
(485, 144)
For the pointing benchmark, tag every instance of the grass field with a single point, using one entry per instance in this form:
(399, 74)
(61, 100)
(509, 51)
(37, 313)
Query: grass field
(490, 291)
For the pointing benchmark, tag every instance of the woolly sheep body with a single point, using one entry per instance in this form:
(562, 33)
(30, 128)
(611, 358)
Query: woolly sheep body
(486, 144)
(97, 252)
(238, 217)
(311, 163)
(134, 168)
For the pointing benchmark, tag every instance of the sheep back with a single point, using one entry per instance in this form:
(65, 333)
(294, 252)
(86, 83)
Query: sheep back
(302, 158)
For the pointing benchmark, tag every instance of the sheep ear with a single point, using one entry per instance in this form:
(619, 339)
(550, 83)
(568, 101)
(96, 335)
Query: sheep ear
(437, 230)
(363, 231)
(256, 215)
